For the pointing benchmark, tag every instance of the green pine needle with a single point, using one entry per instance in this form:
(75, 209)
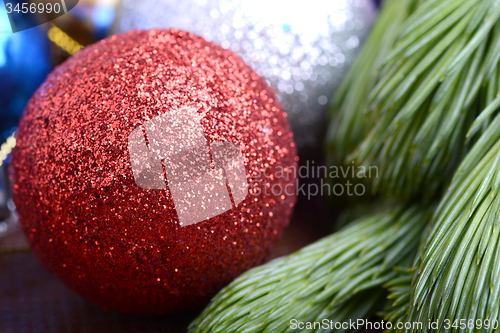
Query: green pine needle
(337, 278)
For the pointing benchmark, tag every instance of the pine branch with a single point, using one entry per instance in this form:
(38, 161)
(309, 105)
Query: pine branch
(457, 275)
(438, 75)
(339, 277)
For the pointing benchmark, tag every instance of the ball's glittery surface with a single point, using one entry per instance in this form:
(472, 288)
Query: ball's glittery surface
(115, 243)
(303, 48)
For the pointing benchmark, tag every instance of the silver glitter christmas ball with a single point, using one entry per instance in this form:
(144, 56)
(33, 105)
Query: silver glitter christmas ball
(303, 48)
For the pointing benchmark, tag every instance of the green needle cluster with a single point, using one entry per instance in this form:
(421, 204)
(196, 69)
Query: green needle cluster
(348, 127)
(399, 297)
(440, 73)
(457, 274)
(399, 293)
(339, 277)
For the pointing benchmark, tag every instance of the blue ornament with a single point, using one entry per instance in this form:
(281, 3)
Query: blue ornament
(25, 61)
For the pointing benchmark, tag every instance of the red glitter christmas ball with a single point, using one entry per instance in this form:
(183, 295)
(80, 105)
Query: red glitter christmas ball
(151, 169)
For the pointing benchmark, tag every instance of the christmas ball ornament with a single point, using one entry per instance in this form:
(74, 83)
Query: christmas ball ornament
(303, 49)
(24, 64)
(151, 169)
